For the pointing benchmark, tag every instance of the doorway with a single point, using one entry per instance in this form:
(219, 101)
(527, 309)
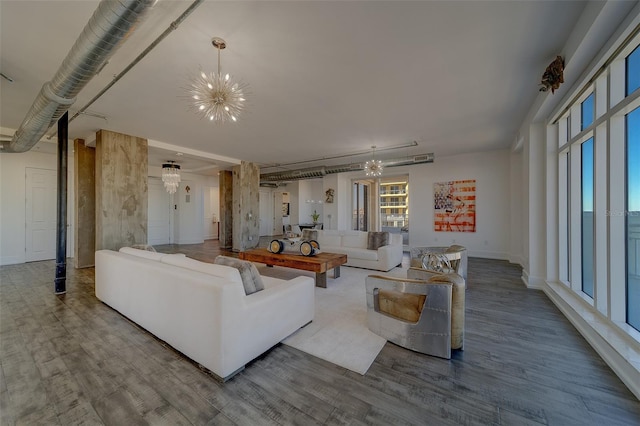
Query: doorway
(363, 215)
(40, 214)
(159, 214)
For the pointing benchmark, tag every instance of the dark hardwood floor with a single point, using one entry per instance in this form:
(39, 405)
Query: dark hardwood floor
(72, 360)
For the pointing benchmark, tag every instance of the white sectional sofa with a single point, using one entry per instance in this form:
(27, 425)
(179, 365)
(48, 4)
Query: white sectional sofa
(354, 245)
(201, 309)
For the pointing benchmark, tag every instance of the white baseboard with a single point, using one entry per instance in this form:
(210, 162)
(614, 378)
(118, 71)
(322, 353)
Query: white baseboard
(11, 260)
(485, 254)
(619, 350)
(517, 260)
(190, 241)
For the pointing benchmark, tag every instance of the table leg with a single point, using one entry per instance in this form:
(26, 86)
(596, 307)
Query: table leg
(321, 279)
(336, 272)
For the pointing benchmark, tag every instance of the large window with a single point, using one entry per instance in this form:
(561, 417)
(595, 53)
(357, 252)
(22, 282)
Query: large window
(599, 190)
(587, 111)
(394, 206)
(360, 218)
(587, 217)
(633, 217)
(632, 63)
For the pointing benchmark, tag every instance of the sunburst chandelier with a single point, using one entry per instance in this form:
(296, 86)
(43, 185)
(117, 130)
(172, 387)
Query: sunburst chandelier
(373, 167)
(171, 176)
(216, 96)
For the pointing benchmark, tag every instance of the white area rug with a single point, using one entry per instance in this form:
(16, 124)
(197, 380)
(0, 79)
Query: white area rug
(339, 332)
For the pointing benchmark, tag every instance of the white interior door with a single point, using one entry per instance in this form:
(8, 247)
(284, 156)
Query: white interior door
(40, 214)
(159, 214)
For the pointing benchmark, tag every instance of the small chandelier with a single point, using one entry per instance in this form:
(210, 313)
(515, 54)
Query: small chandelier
(373, 167)
(171, 176)
(216, 96)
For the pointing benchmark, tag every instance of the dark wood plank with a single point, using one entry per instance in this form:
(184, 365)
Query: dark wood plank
(73, 360)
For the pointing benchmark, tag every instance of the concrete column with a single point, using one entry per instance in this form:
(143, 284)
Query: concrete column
(226, 209)
(84, 204)
(121, 190)
(246, 199)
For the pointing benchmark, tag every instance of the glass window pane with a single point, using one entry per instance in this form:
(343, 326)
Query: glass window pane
(633, 218)
(587, 217)
(394, 206)
(568, 209)
(586, 109)
(633, 71)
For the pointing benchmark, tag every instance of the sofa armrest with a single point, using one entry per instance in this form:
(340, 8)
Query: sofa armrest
(390, 255)
(268, 316)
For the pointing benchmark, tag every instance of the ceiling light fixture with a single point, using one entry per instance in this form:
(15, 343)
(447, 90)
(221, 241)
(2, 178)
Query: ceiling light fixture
(373, 167)
(216, 96)
(171, 176)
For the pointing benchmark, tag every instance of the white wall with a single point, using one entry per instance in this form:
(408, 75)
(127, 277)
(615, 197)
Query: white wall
(516, 254)
(310, 199)
(12, 201)
(491, 170)
(330, 210)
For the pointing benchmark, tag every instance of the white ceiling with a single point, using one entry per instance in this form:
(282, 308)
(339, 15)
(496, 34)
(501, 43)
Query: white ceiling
(326, 78)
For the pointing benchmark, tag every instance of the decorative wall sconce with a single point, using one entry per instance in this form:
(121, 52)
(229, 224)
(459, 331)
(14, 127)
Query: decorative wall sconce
(329, 195)
(553, 75)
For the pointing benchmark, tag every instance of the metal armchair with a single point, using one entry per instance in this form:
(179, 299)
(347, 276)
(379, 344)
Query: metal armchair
(455, 255)
(415, 312)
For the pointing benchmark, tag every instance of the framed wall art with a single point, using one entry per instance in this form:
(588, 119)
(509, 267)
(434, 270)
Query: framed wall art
(455, 206)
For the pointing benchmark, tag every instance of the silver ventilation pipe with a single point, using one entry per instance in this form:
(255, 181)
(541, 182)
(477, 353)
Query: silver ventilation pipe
(268, 179)
(111, 23)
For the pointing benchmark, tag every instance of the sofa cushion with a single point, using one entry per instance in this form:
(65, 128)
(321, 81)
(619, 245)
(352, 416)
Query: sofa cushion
(146, 247)
(249, 274)
(329, 239)
(309, 234)
(226, 272)
(142, 253)
(357, 253)
(375, 240)
(357, 239)
(405, 306)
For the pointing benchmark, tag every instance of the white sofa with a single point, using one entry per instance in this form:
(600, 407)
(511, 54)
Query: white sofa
(201, 309)
(354, 245)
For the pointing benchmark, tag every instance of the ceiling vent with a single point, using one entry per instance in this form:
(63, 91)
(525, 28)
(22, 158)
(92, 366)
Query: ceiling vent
(310, 173)
(425, 158)
(318, 172)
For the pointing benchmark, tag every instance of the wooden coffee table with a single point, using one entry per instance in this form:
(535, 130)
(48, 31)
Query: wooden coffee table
(319, 263)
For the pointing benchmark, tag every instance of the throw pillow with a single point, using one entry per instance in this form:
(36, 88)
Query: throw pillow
(251, 279)
(309, 234)
(375, 240)
(146, 247)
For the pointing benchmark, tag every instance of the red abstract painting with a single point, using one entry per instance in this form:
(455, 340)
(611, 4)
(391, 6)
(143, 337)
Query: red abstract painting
(455, 206)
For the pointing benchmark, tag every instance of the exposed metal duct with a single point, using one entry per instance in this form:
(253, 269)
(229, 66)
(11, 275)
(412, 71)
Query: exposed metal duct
(309, 173)
(267, 179)
(110, 24)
